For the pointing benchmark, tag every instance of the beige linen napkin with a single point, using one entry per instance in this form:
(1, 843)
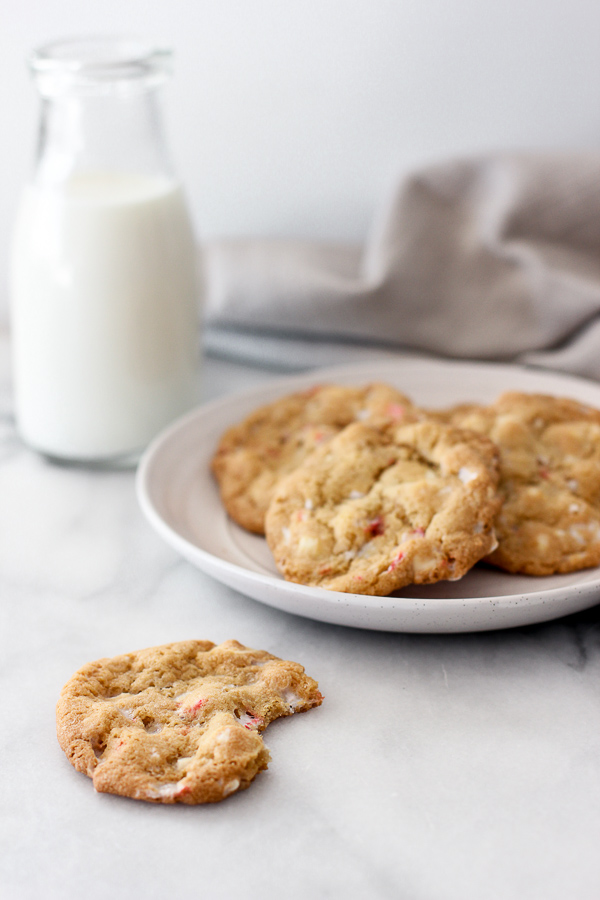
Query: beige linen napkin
(496, 257)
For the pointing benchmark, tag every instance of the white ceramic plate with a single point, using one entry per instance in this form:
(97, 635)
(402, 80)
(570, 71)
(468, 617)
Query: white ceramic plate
(179, 497)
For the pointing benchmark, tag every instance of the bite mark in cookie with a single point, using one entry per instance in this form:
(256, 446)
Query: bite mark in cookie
(178, 723)
(275, 439)
(389, 506)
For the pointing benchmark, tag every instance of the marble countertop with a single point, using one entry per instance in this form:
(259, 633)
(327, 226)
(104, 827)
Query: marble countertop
(452, 767)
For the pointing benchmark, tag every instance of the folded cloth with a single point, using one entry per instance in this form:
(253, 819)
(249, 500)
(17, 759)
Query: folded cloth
(495, 257)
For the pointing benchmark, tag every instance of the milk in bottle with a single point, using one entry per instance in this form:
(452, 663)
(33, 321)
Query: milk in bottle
(104, 282)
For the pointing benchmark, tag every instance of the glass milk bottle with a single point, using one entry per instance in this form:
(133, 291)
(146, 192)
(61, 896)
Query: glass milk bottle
(104, 305)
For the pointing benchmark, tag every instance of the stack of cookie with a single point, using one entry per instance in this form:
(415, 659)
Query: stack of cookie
(359, 490)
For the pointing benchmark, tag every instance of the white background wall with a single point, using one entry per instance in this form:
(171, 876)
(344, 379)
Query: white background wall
(292, 118)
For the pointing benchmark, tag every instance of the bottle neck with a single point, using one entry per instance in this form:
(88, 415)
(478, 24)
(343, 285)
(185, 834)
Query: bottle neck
(109, 131)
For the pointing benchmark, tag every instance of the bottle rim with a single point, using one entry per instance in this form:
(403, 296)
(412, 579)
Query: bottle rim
(99, 61)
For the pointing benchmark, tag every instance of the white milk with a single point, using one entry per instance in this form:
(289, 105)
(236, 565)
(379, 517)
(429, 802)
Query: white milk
(104, 314)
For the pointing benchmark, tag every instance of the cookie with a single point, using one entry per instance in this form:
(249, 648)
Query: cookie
(379, 508)
(549, 480)
(178, 723)
(252, 457)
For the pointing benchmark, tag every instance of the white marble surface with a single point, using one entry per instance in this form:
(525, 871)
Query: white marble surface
(438, 768)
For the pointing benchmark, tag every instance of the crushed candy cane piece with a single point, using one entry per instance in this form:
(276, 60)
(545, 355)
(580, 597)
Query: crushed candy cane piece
(249, 720)
(190, 711)
(375, 526)
(398, 558)
(395, 411)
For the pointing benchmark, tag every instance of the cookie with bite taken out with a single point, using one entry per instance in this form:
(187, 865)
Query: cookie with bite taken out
(179, 723)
